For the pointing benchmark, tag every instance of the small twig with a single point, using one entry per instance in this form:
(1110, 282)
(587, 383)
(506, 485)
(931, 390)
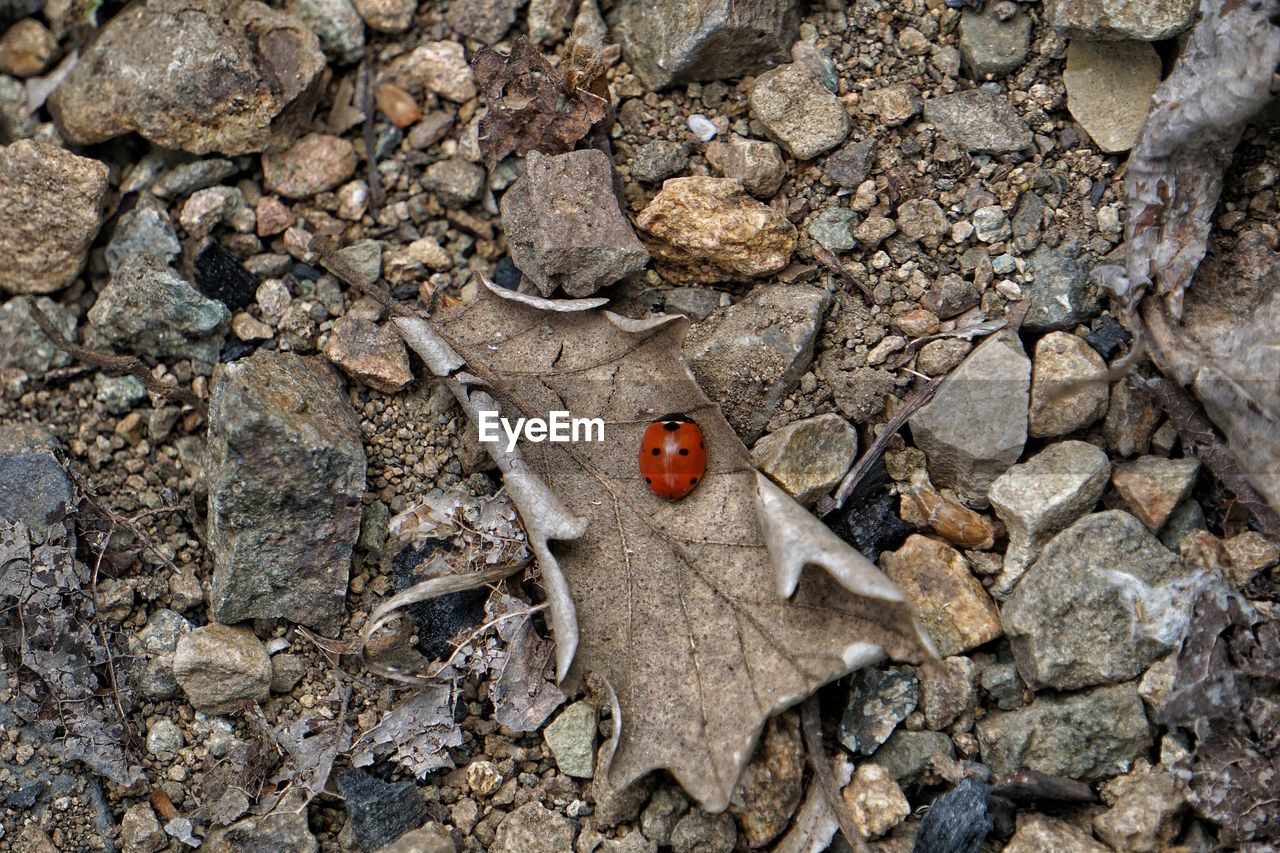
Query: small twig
(825, 257)
(368, 105)
(327, 249)
(811, 728)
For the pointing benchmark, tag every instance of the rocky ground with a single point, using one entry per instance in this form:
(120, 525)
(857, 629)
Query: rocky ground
(846, 200)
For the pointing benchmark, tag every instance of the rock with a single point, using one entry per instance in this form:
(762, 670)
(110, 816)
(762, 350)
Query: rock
(572, 739)
(436, 67)
(771, 784)
(809, 457)
(50, 210)
(614, 806)
(286, 671)
(992, 43)
(976, 425)
(431, 837)
(1109, 88)
(533, 828)
(152, 650)
(1152, 486)
(660, 816)
(186, 178)
(978, 122)
(218, 666)
(149, 310)
(797, 111)
(285, 473)
(923, 220)
(564, 226)
(892, 105)
(380, 812)
(990, 224)
(34, 487)
(314, 164)
(833, 229)
(282, 832)
(140, 830)
(948, 600)
(26, 347)
(907, 754)
(27, 49)
(708, 229)
(486, 21)
(749, 356)
(754, 163)
(1061, 295)
(849, 166)
(1248, 555)
(875, 801)
(387, 16)
(1145, 806)
(949, 694)
(1003, 684)
(938, 358)
(699, 832)
(250, 76)
(1065, 395)
(1042, 496)
(1088, 735)
(1038, 833)
(874, 230)
(1131, 420)
(1144, 20)
(457, 183)
(677, 41)
(1103, 602)
(145, 230)
(119, 393)
(957, 820)
(950, 295)
(656, 161)
(878, 701)
(370, 353)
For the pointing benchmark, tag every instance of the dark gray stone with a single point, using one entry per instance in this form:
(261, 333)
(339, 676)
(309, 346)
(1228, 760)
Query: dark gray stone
(907, 755)
(979, 122)
(34, 487)
(849, 166)
(658, 160)
(145, 230)
(1061, 294)
(992, 41)
(878, 701)
(380, 811)
(957, 821)
(25, 346)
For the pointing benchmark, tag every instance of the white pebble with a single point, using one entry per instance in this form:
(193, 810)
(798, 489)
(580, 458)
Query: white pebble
(1009, 289)
(702, 128)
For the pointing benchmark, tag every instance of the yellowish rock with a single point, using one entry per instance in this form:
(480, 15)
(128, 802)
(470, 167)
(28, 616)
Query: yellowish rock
(875, 800)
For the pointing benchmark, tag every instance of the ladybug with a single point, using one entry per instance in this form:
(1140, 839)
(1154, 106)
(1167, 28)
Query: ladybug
(673, 456)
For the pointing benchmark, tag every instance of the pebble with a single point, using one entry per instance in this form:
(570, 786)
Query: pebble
(704, 230)
(430, 254)
(485, 21)
(336, 23)
(1038, 833)
(848, 167)
(233, 92)
(387, 16)
(950, 295)
(145, 230)
(879, 699)
(380, 812)
(808, 458)
(214, 206)
(1131, 419)
(950, 693)
(286, 672)
(1145, 808)
(659, 818)
(1103, 602)
(1062, 296)
(1005, 265)
(948, 600)
(26, 347)
(185, 178)
(152, 649)
(979, 122)
(27, 48)
(1144, 20)
(702, 128)
(118, 393)
(938, 358)
(564, 227)
(1152, 486)
(50, 210)
(34, 488)
(436, 67)
(699, 832)
(571, 737)
(924, 221)
(1065, 396)
(316, 163)
(908, 755)
(754, 163)
(533, 828)
(218, 666)
(455, 182)
(833, 229)
(874, 230)
(892, 105)
(658, 160)
(164, 738)
(431, 837)
(875, 801)
(140, 830)
(797, 111)
(1109, 88)
(772, 783)
(991, 225)
(992, 42)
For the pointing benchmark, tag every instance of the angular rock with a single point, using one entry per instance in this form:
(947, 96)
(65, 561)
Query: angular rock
(978, 122)
(370, 353)
(1103, 602)
(958, 820)
(1038, 833)
(457, 183)
(281, 832)
(250, 76)
(656, 161)
(1088, 735)
(993, 45)
(660, 816)
(336, 23)
(533, 828)
(1109, 88)
(34, 487)
(486, 21)
(678, 41)
(152, 651)
(218, 666)
(1059, 289)
(431, 837)
(878, 701)
(749, 356)
(976, 425)
(1145, 805)
(1144, 20)
(990, 224)
(948, 600)
(699, 832)
(314, 164)
(1152, 486)
(26, 347)
(145, 230)
(564, 226)
(1065, 394)
(797, 111)
(572, 739)
(833, 229)
(285, 472)
(892, 105)
(949, 694)
(772, 783)
(875, 801)
(50, 210)
(1131, 420)
(149, 310)
(436, 67)
(754, 163)
(140, 830)
(387, 16)
(380, 812)
(809, 457)
(923, 220)
(908, 755)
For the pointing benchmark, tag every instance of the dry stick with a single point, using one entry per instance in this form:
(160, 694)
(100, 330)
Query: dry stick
(811, 728)
(828, 259)
(368, 105)
(114, 363)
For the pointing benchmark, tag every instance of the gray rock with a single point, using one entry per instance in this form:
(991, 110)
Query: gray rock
(797, 111)
(699, 832)
(34, 487)
(1144, 20)
(533, 828)
(990, 224)
(808, 458)
(849, 166)
(976, 425)
(658, 160)
(1002, 683)
(749, 356)
(152, 651)
(615, 806)
(285, 472)
(285, 831)
(680, 41)
(217, 666)
(119, 393)
(1131, 419)
(380, 812)
(1065, 395)
(572, 739)
(145, 230)
(149, 310)
(878, 701)
(455, 182)
(907, 755)
(923, 220)
(1058, 287)
(950, 295)
(833, 229)
(1109, 89)
(1101, 604)
(754, 163)
(994, 42)
(1089, 735)
(164, 738)
(286, 671)
(336, 23)
(949, 694)
(564, 226)
(140, 830)
(26, 347)
(660, 816)
(236, 97)
(979, 122)
(486, 21)
(187, 178)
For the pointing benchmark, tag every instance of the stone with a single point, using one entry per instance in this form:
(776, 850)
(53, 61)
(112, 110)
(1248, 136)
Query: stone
(1131, 420)
(990, 224)
(979, 122)
(50, 211)
(660, 816)
(145, 230)
(875, 801)
(564, 227)
(772, 783)
(833, 229)
(152, 650)
(1058, 287)
(976, 425)
(948, 600)
(140, 830)
(993, 45)
(118, 393)
(387, 16)
(1042, 496)
(486, 21)
(285, 831)
(907, 755)
(572, 739)
(1066, 394)
(1145, 806)
(879, 700)
(1103, 602)
(336, 24)
(958, 820)
(892, 105)
(1038, 833)
(1109, 88)
(808, 458)
(923, 220)
(316, 163)
(533, 828)
(874, 230)
(938, 358)
(26, 346)
(27, 49)
(150, 310)
(285, 473)
(34, 487)
(1144, 20)
(950, 295)
(1152, 486)
(219, 666)
(797, 111)
(458, 183)
(1087, 735)
(370, 353)
(849, 166)
(658, 160)
(678, 41)
(702, 230)
(950, 693)
(380, 812)
(699, 832)
(431, 837)
(754, 163)
(748, 357)
(1247, 555)
(238, 96)
(286, 671)
(435, 67)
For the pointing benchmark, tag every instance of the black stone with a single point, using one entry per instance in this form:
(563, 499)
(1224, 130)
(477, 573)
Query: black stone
(505, 273)
(234, 349)
(439, 619)
(380, 811)
(869, 518)
(1107, 336)
(957, 822)
(305, 272)
(26, 796)
(220, 275)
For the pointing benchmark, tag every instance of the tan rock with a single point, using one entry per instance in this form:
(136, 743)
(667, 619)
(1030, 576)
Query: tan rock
(755, 163)
(807, 458)
(875, 800)
(218, 666)
(1109, 88)
(387, 16)
(1152, 486)
(1064, 397)
(369, 353)
(950, 603)
(27, 48)
(1039, 833)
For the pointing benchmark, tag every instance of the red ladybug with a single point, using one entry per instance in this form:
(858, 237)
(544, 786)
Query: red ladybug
(673, 456)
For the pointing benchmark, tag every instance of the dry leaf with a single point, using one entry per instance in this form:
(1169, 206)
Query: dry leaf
(417, 734)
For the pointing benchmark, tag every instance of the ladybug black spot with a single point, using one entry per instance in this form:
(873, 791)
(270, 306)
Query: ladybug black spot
(702, 445)
(647, 480)
(671, 426)
(693, 481)
(684, 451)
(657, 451)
